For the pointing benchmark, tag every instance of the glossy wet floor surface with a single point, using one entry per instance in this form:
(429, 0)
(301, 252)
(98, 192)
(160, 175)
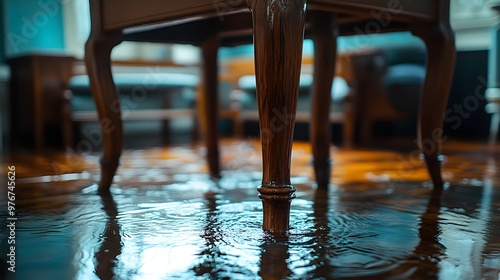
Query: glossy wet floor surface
(167, 220)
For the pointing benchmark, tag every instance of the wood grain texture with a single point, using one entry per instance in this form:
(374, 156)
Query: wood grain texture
(324, 35)
(278, 37)
(128, 13)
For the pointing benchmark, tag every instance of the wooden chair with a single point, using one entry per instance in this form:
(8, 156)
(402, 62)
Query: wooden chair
(278, 30)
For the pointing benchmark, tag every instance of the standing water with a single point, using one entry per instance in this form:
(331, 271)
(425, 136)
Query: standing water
(166, 219)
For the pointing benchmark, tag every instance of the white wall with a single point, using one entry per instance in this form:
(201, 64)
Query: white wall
(472, 21)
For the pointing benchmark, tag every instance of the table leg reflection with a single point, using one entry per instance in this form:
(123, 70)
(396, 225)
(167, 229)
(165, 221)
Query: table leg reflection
(111, 246)
(274, 257)
(212, 234)
(423, 262)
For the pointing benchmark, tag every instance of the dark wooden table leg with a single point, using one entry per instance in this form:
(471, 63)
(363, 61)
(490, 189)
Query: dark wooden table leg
(440, 42)
(209, 103)
(278, 37)
(324, 36)
(97, 59)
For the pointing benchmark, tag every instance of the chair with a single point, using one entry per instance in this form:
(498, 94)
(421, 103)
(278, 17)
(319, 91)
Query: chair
(387, 85)
(278, 30)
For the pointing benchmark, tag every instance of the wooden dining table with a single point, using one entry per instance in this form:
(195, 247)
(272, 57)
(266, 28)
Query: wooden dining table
(277, 29)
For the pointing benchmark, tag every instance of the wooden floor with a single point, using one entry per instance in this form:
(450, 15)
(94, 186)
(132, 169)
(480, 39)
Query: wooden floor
(168, 218)
(397, 161)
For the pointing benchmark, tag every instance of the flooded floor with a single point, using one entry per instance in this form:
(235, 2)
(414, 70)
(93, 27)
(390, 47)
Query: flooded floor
(166, 219)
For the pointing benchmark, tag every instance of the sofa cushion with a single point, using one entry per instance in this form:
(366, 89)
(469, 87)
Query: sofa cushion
(404, 54)
(150, 81)
(403, 83)
(139, 90)
(340, 89)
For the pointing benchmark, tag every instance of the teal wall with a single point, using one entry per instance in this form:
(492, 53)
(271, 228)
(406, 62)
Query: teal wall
(33, 26)
(356, 42)
(2, 34)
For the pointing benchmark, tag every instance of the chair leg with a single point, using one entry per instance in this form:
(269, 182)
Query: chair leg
(348, 124)
(97, 58)
(440, 43)
(325, 52)
(366, 129)
(166, 133)
(209, 104)
(278, 36)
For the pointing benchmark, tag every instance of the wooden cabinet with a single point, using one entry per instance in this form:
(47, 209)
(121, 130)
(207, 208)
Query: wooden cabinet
(37, 82)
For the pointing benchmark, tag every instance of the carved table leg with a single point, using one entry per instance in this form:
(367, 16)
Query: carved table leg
(97, 58)
(324, 35)
(209, 104)
(440, 43)
(278, 38)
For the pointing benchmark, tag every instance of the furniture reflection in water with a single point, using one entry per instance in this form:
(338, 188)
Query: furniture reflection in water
(278, 31)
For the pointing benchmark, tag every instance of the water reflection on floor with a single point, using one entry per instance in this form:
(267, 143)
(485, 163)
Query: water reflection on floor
(167, 220)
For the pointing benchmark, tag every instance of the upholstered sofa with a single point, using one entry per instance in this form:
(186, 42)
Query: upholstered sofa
(386, 85)
(371, 85)
(379, 84)
(50, 97)
(144, 96)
